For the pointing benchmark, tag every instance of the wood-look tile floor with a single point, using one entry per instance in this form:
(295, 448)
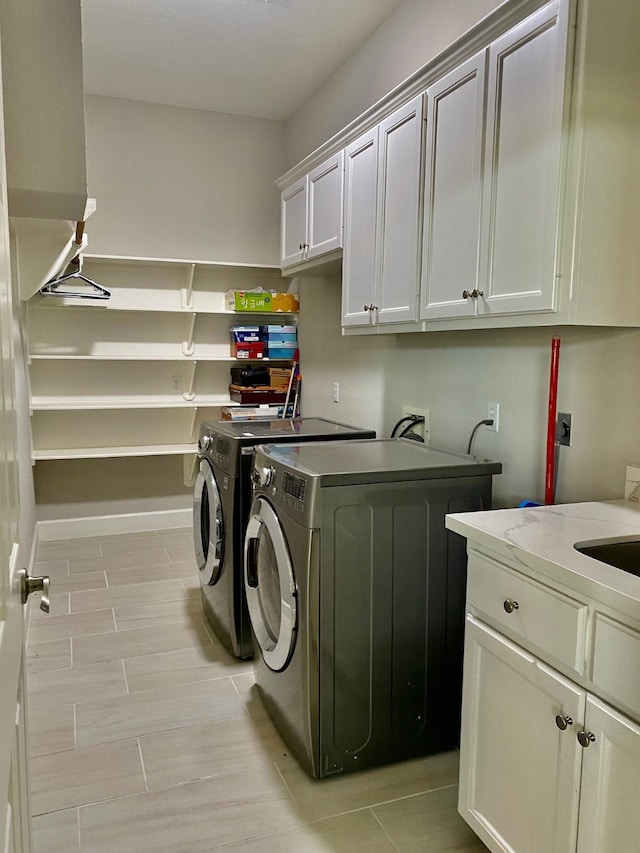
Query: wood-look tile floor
(147, 737)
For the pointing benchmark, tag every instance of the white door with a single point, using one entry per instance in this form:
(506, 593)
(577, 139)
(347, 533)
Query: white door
(324, 214)
(609, 815)
(270, 586)
(519, 756)
(453, 192)
(358, 264)
(293, 223)
(15, 834)
(526, 86)
(399, 225)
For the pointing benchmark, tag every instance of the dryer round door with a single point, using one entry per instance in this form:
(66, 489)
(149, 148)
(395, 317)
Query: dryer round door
(208, 524)
(270, 586)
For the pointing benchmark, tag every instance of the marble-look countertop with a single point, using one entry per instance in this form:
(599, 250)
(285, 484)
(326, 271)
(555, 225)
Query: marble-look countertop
(539, 541)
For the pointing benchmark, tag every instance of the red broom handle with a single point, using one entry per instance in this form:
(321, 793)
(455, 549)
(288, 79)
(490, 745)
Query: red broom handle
(551, 422)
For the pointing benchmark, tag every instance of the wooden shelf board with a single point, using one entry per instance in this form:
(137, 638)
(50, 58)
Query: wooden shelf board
(113, 452)
(51, 404)
(224, 358)
(133, 259)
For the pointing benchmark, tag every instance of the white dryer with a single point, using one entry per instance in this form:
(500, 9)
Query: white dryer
(356, 593)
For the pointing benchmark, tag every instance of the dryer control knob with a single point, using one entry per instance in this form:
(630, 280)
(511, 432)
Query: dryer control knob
(204, 442)
(265, 476)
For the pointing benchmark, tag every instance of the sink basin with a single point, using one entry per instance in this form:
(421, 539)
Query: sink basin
(623, 555)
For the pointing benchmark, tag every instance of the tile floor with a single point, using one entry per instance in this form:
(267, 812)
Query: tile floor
(146, 736)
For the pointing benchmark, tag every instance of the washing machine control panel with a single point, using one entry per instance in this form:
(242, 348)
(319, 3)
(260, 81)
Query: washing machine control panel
(293, 486)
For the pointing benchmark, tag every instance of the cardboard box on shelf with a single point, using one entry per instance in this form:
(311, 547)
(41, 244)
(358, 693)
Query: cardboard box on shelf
(263, 301)
(255, 413)
(279, 377)
(245, 334)
(264, 394)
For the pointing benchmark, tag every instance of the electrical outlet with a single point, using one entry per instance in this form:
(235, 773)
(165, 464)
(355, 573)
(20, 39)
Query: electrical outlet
(421, 429)
(493, 412)
(336, 392)
(563, 429)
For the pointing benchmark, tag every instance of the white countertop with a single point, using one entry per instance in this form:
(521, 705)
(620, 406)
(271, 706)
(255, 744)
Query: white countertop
(539, 541)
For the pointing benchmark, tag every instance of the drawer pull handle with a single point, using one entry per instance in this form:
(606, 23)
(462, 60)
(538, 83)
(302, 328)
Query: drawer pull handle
(562, 722)
(585, 738)
(510, 605)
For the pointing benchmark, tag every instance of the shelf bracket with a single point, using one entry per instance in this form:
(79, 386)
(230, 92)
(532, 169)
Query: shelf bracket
(189, 384)
(187, 292)
(188, 345)
(193, 432)
(189, 468)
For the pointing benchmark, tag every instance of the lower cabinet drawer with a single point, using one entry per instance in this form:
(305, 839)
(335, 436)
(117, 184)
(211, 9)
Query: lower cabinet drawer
(543, 620)
(616, 664)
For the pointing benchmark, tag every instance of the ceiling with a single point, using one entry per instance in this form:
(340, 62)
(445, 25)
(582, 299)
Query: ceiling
(260, 58)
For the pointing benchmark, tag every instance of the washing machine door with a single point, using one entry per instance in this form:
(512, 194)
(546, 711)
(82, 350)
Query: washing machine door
(208, 524)
(270, 586)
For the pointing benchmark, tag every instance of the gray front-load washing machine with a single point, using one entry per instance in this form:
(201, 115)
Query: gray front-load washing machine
(221, 503)
(356, 596)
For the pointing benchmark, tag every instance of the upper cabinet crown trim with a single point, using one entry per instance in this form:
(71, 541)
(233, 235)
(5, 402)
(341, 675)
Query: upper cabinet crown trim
(469, 43)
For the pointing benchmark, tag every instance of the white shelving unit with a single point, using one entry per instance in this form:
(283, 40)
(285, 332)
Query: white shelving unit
(136, 374)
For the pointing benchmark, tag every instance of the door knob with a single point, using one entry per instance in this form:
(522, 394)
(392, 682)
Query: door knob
(585, 738)
(562, 722)
(30, 584)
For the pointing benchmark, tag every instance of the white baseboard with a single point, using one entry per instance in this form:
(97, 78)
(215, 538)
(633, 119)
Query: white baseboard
(104, 525)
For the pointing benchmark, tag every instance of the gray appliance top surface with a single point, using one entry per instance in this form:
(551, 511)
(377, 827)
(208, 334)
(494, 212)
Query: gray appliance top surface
(342, 462)
(262, 432)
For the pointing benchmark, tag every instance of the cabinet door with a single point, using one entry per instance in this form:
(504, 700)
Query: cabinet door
(293, 223)
(522, 164)
(398, 227)
(324, 230)
(453, 191)
(609, 816)
(360, 196)
(519, 772)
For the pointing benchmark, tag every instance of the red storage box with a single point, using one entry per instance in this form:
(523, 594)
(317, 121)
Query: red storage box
(248, 349)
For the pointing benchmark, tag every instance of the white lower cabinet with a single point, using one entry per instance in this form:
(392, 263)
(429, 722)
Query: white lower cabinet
(609, 819)
(545, 764)
(519, 773)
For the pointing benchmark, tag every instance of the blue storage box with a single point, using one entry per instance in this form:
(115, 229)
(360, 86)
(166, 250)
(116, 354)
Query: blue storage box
(245, 334)
(281, 349)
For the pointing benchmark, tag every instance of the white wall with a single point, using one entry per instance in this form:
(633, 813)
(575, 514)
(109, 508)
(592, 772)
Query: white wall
(414, 33)
(169, 183)
(181, 183)
(456, 374)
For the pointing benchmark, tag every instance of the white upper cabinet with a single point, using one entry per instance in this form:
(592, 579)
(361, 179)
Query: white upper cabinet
(453, 191)
(44, 108)
(311, 214)
(382, 221)
(522, 165)
(358, 266)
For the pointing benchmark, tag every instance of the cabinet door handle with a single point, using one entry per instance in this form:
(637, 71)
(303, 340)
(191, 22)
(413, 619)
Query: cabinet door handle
(370, 307)
(585, 738)
(563, 721)
(472, 294)
(510, 605)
